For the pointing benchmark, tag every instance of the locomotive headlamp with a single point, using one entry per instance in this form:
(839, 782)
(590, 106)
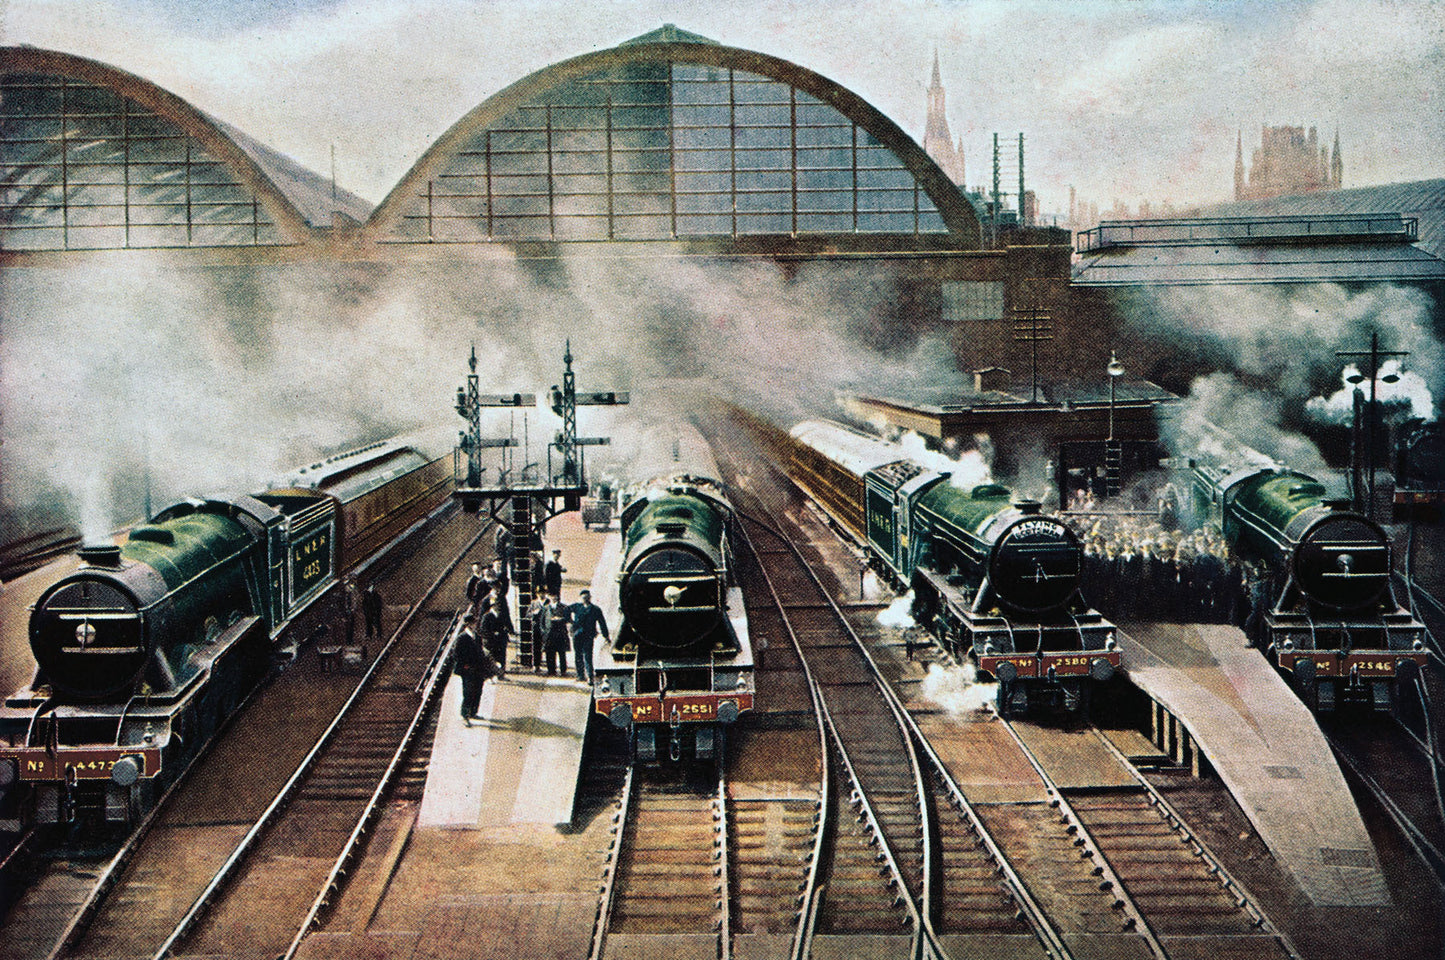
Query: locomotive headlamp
(1111, 643)
(1418, 644)
(988, 649)
(1288, 644)
(85, 634)
(672, 594)
(126, 771)
(605, 688)
(1345, 562)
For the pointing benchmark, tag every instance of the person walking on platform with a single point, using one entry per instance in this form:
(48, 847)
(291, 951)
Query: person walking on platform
(503, 544)
(371, 606)
(494, 637)
(587, 622)
(552, 574)
(475, 667)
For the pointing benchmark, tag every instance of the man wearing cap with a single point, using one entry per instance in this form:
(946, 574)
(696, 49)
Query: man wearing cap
(587, 622)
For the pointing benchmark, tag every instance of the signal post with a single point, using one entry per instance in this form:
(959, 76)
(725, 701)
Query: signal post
(534, 496)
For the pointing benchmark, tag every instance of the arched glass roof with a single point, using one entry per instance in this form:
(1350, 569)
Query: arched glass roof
(661, 140)
(92, 158)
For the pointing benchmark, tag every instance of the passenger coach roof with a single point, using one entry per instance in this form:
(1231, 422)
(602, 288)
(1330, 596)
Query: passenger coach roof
(855, 451)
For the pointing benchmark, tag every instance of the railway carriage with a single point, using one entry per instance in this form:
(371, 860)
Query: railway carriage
(1329, 619)
(145, 650)
(994, 579)
(679, 670)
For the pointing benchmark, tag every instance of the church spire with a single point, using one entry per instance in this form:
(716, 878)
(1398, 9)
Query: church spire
(937, 141)
(1337, 164)
(1239, 165)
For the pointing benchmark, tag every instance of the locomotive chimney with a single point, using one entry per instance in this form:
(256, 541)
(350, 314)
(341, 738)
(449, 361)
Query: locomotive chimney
(100, 555)
(1338, 503)
(1028, 507)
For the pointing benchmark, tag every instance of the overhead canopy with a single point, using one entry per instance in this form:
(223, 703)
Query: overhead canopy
(1297, 248)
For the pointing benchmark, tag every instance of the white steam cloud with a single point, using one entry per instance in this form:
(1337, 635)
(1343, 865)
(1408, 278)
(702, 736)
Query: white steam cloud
(898, 615)
(1252, 417)
(1274, 349)
(137, 371)
(1397, 390)
(957, 690)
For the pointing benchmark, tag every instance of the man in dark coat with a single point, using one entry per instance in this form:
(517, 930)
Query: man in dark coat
(555, 633)
(494, 637)
(476, 584)
(587, 622)
(475, 667)
(371, 606)
(552, 574)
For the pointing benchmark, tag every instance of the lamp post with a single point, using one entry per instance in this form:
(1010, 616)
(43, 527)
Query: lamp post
(1375, 356)
(1113, 450)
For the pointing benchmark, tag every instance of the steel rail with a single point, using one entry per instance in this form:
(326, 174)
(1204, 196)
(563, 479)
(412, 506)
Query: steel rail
(923, 933)
(111, 875)
(1429, 854)
(609, 871)
(332, 884)
(1034, 913)
(283, 798)
(810, 901)
(1242, 897)
(1123, 900)
(720, 853)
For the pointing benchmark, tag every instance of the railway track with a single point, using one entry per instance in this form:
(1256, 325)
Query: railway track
(1109, 872)
(898, 871)
(241, 871)
(668, 873)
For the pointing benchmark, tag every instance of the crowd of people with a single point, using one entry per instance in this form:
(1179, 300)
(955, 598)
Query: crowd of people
(481, 650)
(1142, 565)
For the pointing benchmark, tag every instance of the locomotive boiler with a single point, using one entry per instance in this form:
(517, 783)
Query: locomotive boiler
(679, 669)
(145, 650)
(1327, 613)
(993, 578)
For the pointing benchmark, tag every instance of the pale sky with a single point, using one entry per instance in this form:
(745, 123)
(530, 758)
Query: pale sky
(1128, 99)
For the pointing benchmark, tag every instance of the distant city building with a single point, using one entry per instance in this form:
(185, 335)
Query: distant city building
(938, 143)
(1287, 161)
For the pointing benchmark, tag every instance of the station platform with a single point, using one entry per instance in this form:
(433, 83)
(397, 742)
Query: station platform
(520, 764)
(1266, 748)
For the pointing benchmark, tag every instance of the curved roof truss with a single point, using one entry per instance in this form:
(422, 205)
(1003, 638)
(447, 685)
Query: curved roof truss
(94, 157)
(552, 157)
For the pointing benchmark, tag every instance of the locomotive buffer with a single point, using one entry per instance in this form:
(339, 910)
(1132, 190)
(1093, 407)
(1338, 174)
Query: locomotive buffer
(534, 497)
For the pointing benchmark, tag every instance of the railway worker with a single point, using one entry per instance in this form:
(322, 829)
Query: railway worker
(494, 637)
(475, 667)
(587, 621)
(557, 618)
(552, 574)
(371, 608)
